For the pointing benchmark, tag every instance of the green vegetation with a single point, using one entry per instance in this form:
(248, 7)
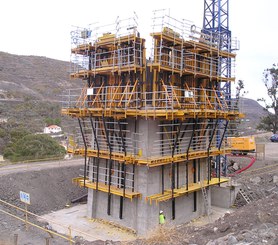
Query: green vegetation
(19, 140)
(51, 121)
(32, 147)
(270, 121)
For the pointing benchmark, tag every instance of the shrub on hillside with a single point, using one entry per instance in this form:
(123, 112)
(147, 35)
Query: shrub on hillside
(32, 147)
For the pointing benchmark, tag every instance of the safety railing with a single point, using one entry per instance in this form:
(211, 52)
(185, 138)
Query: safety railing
(186, 62)
(172, 138)
(30, 219)
(116, 58)
(132, 97)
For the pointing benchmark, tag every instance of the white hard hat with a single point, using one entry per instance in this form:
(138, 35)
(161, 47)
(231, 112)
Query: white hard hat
(160, 211)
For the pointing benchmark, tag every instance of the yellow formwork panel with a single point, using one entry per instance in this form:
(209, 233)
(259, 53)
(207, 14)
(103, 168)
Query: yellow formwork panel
(168, 37)
(121, 113)
(128, 193)
(152, 161)
(193, 187)
(213, 50)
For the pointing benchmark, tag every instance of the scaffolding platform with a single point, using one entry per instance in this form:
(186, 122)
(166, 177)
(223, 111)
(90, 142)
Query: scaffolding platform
(152, 113)
(193, 187)
(127, 193)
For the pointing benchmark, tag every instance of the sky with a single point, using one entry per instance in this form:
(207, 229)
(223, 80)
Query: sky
(42, 28)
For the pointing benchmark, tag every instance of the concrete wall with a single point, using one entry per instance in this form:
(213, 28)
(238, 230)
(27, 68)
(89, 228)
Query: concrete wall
(138, 214)
(224, 197)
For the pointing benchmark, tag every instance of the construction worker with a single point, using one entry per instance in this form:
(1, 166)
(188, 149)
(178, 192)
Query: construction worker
(161, 217)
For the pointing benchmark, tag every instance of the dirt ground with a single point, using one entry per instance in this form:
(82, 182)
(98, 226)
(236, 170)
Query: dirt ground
(252, 223)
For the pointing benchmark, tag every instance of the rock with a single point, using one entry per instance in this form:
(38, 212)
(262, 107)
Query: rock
(212, 243)
(224, 227)
(232, 240)
(275, 179)
(275, 241)
(215, 229)
(256, 180)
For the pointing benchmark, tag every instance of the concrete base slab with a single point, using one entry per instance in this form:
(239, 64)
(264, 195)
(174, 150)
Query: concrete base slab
(76, 219)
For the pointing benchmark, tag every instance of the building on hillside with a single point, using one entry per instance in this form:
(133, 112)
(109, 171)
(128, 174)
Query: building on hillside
(52, 129)
(149, 129)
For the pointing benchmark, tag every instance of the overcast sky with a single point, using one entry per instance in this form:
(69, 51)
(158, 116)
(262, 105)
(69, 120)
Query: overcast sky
(42, 28)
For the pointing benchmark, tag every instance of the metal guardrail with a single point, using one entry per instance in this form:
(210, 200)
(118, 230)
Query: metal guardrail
(28, 215)
(130, 97)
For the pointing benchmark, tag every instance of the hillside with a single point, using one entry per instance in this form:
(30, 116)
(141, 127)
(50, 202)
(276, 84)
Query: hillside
(30, 93)
(38, 77)
(253, 112)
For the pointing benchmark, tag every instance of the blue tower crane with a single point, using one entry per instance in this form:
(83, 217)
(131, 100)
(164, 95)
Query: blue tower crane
(216, 22)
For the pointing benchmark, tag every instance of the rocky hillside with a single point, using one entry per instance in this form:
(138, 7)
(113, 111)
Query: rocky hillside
(34, 76)
(30, 93)
(253, 112)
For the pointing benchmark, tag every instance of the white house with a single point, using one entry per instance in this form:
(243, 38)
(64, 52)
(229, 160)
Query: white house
(52, 129)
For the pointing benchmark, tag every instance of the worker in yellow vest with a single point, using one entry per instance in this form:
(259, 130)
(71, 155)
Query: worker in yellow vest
(161, 217)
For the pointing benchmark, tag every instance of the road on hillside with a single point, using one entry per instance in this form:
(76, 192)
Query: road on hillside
(37, 166)
(271, 153)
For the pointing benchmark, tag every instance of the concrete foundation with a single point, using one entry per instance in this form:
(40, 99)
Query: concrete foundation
(224, 196)
(138, 214)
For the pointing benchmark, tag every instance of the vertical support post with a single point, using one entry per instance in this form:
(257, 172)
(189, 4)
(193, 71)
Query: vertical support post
(219, 146)
(174, 148)
(123, 170)
(15, 239)
(178, 172)
(162, 179)
(191, 138)
(70, 237)
(97, 144)
(110, 166)
(133, 165)
(85, 156)
(195, 181)
(173, 187)
(173, 170)
(195, 201)
(208, 149)
(26, 217)
(187, 175)
(47, 241)
(133, 176)
(162, 153)
(199, 169)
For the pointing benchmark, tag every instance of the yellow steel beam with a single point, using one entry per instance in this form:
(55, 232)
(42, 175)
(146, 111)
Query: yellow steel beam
(151, 161)
(128, 193)
(193, 187)
(121, 113)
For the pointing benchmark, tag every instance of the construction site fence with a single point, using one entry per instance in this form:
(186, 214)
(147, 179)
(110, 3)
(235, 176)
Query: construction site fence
(41, 223)
(129, 97)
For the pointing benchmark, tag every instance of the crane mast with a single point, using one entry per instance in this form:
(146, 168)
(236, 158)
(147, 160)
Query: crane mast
(216, 22)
